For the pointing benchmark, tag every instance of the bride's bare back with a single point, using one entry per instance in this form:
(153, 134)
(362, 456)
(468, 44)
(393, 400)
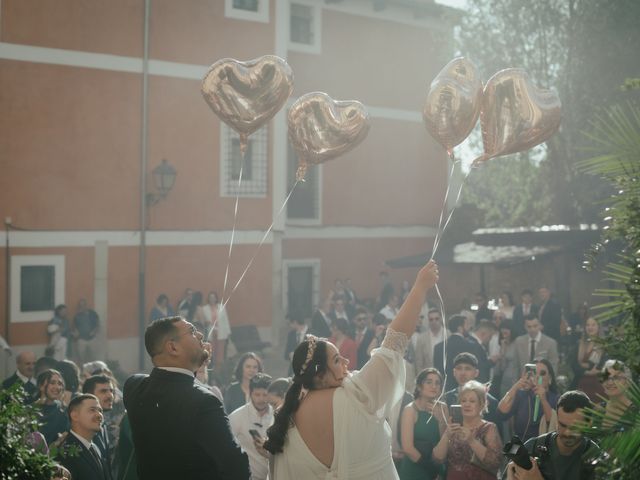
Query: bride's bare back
(314, 421)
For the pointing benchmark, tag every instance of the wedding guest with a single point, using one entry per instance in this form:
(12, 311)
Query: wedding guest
(390, 310)
(473, 449)
(53, 420)
(363, 335)
(238, 392)
(520, 400)
(103, 389)
(25, 368)
(507, 365)
(86, 324)
(589, 361)
(195, 314)
(249, 424)
(71, 375)
(277, 391)
(427, 340)
(345, 344)
(423, 421)
(505, 305)
(59, 331)
(161, 309)
(78, 452)
(219, 327)
(523, 309)
(615, 378)
(379, 330)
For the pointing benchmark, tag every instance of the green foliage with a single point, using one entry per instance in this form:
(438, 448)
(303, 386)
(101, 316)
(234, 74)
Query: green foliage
(615, 139)
(510, 191)
(583, 49)
(18, 459)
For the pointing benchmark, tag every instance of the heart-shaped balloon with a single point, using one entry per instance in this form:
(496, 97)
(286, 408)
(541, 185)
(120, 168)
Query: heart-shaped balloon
(321, 128)
(516, 115)
(246, 95)
(453, 103)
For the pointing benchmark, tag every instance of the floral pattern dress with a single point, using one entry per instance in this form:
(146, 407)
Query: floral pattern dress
(462, 464)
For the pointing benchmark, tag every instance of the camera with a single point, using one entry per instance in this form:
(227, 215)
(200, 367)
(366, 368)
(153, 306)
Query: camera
(517, 453)
(530, 369)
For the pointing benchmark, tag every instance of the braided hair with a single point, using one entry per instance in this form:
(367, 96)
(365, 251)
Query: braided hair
(304, 376)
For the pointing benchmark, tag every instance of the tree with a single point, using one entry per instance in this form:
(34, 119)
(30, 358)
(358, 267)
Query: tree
(615, 137)
(584, 49)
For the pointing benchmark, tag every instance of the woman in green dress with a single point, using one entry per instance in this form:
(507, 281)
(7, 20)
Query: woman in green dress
(423, 420)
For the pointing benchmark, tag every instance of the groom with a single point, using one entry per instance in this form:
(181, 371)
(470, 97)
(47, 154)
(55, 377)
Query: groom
(179, 427)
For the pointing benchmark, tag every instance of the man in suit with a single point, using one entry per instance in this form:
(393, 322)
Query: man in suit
(524, 308)
(363, 335)
(535, 345)
(102, 387)
(456, 343)
(179, 427)
(550, 314)
(298, 330)
(480, 338)
(77, 452)
(321, 320)
(465, 368)
(25, 367)
(427, 340)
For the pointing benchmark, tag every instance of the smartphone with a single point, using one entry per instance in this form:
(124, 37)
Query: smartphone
(254, 433)
(530, 369)
(456, 414)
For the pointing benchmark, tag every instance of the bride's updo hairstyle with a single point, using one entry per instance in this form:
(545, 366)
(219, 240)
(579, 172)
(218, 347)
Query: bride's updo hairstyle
(308, 362)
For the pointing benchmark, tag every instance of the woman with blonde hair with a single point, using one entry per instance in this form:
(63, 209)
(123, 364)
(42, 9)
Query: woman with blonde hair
(472, 449)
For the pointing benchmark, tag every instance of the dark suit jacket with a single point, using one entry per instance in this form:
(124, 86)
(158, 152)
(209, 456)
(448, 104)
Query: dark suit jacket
(484, 364)
(363, 356)
(30, 388)
(455, 345)
(550, 317)
(319, 326)
(518, 319)
(180, 429)
(81, 464)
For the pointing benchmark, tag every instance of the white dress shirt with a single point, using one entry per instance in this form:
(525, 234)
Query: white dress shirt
(241, 421)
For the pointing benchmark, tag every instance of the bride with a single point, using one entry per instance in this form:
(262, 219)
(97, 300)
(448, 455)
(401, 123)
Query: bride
(332, 423)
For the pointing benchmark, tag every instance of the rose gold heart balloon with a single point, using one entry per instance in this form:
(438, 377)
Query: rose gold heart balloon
(321, 128)
(246, 95)
(453, 104)
(515, 114)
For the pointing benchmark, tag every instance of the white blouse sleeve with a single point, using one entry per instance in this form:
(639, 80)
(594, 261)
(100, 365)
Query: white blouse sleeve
(381, 380)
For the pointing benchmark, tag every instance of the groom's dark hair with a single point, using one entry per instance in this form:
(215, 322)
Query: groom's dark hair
(158, 332)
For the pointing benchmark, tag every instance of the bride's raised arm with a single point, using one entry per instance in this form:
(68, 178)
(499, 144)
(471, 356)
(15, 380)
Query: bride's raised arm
(382, 376)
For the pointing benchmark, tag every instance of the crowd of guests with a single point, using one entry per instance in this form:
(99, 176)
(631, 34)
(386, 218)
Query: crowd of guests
(487, 375)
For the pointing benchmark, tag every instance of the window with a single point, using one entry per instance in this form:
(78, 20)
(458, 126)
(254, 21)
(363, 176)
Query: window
(304, 204)
(252, 10)
(37, 286)
(249, 5)
(302, 280)
(254, 164)
(304, 27)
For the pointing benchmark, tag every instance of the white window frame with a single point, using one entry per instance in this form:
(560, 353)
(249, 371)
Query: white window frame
(262, 15)
(315, 282)
(316, 47)
(228, 185)
(19, 261)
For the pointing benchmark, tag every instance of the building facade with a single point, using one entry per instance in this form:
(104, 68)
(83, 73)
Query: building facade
(90, 109)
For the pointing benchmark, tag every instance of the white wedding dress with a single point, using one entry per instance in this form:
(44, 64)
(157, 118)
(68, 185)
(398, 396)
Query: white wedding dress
(361, 435)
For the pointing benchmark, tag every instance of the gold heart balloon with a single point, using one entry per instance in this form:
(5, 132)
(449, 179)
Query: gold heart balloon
(246, 95)
(453, 103)
(321, 128)
(516, 115)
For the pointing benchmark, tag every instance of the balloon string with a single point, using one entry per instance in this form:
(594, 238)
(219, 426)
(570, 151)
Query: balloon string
(233, 230)
(264, 237)
(436, 240)
(455, 205)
